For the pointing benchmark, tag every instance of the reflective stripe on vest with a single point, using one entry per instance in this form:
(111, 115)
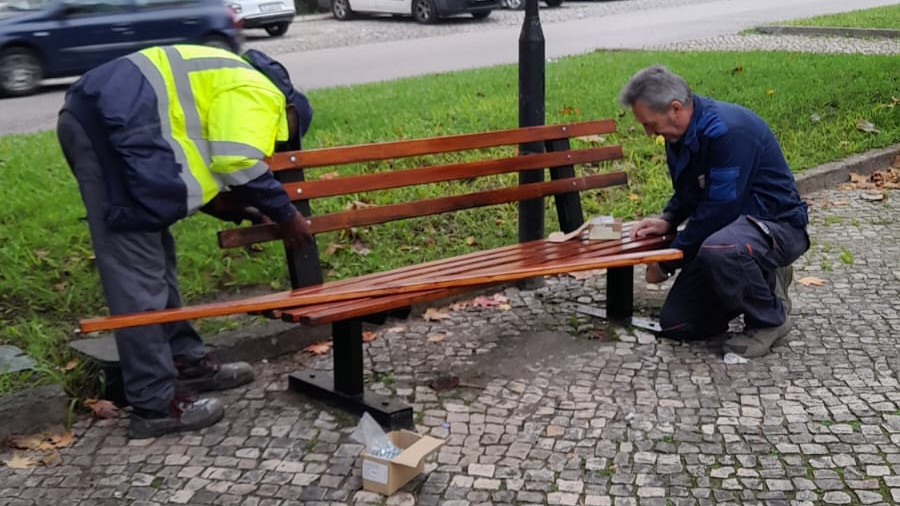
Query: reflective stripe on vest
(182, 129)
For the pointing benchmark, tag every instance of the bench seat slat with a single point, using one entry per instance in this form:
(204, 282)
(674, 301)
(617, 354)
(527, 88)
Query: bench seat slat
(438, 173)
(398, 149)
(325, 293)
(246, 236)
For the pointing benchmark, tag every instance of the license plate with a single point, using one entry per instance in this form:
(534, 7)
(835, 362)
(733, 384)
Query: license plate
(276, 6)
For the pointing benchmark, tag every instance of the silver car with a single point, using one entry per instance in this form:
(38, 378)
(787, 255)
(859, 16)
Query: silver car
(275, 16)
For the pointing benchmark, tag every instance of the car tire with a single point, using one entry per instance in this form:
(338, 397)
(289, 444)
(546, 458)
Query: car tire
(20, 72)
(553, 3)
(481, 14)
(423, 12)
(341, 10)
(278, 29)
(515, 5)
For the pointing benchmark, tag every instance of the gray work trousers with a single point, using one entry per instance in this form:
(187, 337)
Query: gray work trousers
(137, 273)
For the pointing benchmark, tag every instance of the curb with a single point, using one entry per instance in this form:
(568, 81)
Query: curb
(833, 173)
(832, 31)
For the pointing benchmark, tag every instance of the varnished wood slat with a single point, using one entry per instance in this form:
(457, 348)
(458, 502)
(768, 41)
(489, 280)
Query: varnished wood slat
(490, 264)
(438, 173)
(328, 313)
(246, 236)
(323, 293)
(416, 147)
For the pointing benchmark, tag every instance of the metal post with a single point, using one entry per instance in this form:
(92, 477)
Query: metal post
(531, 113)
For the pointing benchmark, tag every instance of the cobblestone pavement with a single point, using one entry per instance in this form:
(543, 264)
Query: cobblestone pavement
(321, 31)
(556, 408)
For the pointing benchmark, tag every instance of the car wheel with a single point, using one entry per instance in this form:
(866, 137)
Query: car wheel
(218, 41)
(481, 14)
(341, 10)
(277, 30)
(423, 12)
(515, 4)
(20, 72)
(553, 3)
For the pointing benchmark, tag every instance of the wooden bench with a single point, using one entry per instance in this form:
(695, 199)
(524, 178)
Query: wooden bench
(346, 304)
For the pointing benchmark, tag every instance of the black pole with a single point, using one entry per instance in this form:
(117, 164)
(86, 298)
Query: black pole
(531, 113)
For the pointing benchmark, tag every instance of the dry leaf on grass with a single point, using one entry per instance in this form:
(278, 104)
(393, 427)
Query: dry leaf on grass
(20, 462)
(811, 281)
(319, 348)
(435, 315)
(599, 139)
(102, 408)
(71, 364)
(437, 338)
(368, 336)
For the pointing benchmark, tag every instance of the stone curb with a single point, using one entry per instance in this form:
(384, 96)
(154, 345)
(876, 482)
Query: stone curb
(856, 33)
(833, 173)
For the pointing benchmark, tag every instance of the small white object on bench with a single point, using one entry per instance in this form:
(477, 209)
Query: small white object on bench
(604, 228)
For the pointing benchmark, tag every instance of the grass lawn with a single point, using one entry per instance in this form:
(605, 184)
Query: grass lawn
(47, 279)
(887, 17)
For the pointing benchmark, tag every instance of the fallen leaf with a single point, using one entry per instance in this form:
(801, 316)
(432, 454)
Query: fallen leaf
(435, 315)
(866, 126)
(593, 138)
(770, 92)
(738, 69)
(20, 462)
(634, 197)
(569, 111)
(394, 330)
(51, 459)
(29, 442)
(840, 203)
(357, 204)
(332, 248)
(660, 140)
(40, 253)
(811, 281)
(360, 247)
(459, 306)
(470, 241)
(71, 364)
(329, 175)
(872, 196)
(581, 275)
(319, 348)
(368, 336)
(62, 440)
(102, 408)
(486, 302)
(437, 338)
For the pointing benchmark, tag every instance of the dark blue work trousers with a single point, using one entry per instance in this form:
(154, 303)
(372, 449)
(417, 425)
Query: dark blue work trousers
(733, 274)
(137, 272)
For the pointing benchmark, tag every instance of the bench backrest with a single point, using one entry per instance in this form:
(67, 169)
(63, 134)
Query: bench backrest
(559, 158)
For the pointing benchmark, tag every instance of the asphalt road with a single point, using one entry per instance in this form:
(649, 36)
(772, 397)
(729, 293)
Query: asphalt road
(321, 52)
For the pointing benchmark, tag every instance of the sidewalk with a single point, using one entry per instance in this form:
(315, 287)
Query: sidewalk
(555, 408)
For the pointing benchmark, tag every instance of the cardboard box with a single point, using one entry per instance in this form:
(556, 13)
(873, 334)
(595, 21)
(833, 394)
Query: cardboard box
(387, 476)
(604, 228)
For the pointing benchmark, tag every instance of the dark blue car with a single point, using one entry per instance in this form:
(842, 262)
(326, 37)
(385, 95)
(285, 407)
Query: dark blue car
(42, 39)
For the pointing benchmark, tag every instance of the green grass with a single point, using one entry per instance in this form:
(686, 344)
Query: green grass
(48, 281)
(887, 17)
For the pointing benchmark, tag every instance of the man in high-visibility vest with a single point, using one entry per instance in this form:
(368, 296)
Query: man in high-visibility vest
(151, 138)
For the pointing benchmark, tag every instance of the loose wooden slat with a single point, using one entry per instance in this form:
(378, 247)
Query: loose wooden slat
(246, 236)
(331, 312)
(323, 293)
(411, 177)
(416, 147)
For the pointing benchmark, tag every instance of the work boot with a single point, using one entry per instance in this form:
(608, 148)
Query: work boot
(207, 375)
(755, 343)
(783, 278)
(185, 414)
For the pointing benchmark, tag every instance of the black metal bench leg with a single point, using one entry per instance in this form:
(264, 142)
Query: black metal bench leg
(344, 387)
(620, 301)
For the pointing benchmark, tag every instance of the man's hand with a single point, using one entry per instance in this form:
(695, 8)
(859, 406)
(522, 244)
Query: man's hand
(648, 227)
(295, 232)
(655, 274)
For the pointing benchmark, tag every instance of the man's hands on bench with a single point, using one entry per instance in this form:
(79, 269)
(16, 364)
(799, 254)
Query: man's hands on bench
(295, 231)
(645, 228)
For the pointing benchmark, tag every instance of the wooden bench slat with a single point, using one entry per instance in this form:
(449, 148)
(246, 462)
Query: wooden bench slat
(438, 173)
(323, 293)
(365, 307)
(246, 236)
(416, 147)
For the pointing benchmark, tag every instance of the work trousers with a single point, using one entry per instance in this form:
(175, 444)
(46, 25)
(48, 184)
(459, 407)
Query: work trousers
(137, 273)
(733, 274)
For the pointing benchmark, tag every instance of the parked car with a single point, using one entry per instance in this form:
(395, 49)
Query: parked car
(520, 4)
(424, 11)
(42, 39)
(275, 16)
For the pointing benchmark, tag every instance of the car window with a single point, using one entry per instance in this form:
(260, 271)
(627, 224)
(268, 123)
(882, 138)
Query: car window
(92, 7)
(145, 5)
